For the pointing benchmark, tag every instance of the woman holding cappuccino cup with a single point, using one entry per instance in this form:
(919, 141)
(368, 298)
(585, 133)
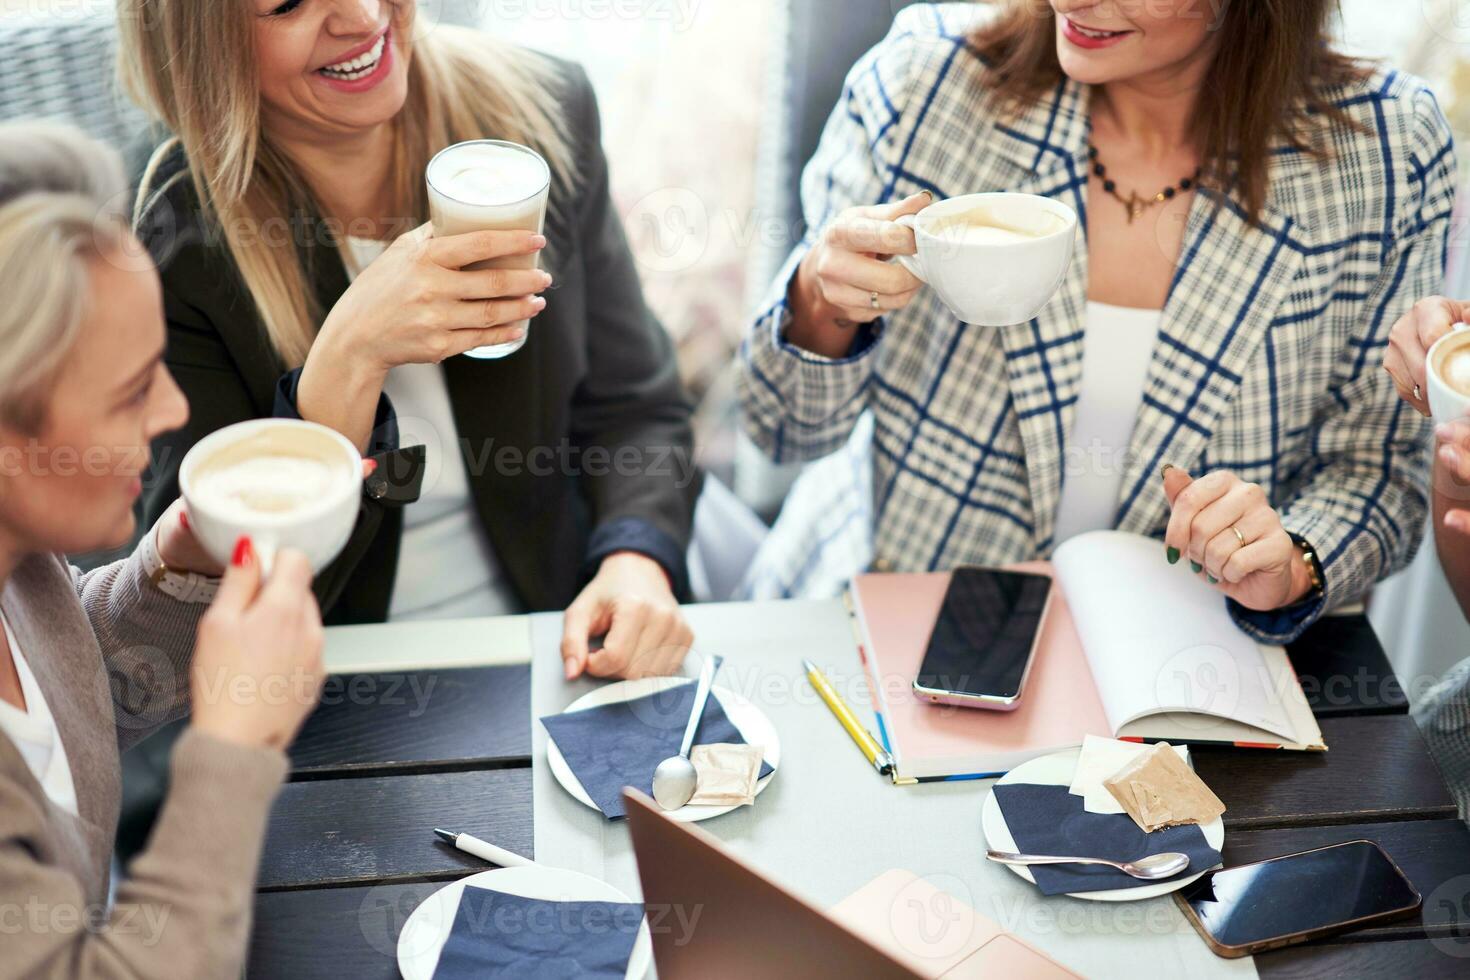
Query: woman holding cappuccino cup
(1255, 210)
(1443, 713)
(92, 663)
(288, 214)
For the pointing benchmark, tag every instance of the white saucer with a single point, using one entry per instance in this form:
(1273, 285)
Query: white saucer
(427, 929)
(749, 720)
(1057, 770)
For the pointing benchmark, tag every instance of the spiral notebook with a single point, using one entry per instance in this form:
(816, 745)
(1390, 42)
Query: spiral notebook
(1131, 648)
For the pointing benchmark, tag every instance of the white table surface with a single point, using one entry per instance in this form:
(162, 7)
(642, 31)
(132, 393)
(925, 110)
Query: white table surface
(828, 823)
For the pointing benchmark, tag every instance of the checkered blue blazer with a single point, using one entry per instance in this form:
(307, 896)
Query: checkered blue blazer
(944, 441)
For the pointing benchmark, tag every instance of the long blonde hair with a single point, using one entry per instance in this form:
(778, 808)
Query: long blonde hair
(193, 66)
(62, 207)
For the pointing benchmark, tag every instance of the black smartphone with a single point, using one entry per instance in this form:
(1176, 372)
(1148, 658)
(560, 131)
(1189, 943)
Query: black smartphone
(985, 639)
(1286, 900)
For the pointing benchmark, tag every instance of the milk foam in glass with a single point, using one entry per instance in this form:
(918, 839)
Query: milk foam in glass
(490, 185)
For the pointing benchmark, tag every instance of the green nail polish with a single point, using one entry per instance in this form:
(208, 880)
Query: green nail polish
(1173, 555)
(1213, 580)
(1196, 567)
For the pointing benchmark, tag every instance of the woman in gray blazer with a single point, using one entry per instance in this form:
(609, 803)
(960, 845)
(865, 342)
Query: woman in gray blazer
(91, 663)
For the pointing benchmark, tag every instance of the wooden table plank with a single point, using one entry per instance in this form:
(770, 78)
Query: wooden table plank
(1344, 671)
(1434, 854)
(331, 933)
(1376, 768)
(354, 831)
(1422, 959)
(417, 722)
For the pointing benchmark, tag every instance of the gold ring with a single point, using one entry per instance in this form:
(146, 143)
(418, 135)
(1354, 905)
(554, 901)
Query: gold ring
(1238, 536)
(873, 300)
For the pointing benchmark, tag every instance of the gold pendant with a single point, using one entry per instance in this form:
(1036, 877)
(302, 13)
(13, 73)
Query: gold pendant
(1135, 205)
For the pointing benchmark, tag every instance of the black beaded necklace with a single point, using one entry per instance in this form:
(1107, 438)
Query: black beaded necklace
(1137, 205)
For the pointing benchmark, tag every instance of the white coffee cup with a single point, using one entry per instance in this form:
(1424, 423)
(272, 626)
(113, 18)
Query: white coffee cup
(1446, 403)
(490, 185)
(314, 516)
(993, 280)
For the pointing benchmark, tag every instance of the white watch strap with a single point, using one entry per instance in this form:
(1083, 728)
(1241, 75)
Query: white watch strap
(183, 586)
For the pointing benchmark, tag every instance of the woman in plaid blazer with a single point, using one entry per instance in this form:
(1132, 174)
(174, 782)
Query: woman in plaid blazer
(1275, 287)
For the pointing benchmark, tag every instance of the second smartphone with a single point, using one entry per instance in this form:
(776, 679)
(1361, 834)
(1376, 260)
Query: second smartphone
(985, 639)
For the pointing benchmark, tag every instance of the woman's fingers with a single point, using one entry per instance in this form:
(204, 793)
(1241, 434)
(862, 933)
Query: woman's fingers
(497, 283)
(1254, 526)
(1455, 458)
(1217, 518)
(866, 275)
(854, 301)
(871, 236)
(458, 251)
(1190, 501)
(1272, 551)
(1403, 380)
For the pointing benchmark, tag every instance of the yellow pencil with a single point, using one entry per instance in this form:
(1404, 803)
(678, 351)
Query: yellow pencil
(875, 753)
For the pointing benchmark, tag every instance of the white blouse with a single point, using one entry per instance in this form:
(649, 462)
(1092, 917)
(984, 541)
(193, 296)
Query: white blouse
(1118, 346)
(447, 567)
(34, 734)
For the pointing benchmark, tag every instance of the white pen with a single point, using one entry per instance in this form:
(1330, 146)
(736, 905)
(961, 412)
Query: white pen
(481, 849)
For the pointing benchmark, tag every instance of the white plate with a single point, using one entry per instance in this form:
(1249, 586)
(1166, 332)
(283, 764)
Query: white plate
(428, 928)
(749, 720)
(1057, 770)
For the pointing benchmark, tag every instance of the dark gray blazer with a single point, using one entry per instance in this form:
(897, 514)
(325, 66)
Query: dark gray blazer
(577, 446)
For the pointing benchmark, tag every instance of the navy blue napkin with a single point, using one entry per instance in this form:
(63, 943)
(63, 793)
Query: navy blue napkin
(617, 745)
(1050, 820)
(500, 935)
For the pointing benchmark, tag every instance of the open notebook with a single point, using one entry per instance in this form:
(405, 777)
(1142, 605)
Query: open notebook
(1132, 648)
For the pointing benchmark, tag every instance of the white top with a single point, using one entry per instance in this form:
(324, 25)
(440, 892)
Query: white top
(447, 568)
(1118, 345)
(34, 734)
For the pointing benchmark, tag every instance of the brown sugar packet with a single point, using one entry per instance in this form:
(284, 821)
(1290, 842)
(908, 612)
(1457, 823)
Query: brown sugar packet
(727, 773)
(1158, 789)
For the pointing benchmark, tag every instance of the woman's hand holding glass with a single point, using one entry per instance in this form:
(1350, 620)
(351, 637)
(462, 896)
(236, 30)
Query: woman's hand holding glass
(416, 304)
(1230, 533)
(848, 277)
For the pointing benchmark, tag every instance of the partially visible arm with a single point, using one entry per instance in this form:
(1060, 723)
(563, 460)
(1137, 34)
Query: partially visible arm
(183, 910)
(1451, 516)
(1363, 506)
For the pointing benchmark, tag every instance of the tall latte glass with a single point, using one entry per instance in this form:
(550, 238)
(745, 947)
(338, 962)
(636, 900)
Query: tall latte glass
(490, 185)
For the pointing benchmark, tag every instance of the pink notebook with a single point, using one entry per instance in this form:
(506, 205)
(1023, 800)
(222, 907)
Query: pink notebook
(895, 614)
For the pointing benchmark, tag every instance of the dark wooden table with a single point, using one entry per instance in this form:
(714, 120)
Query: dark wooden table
(350, 853)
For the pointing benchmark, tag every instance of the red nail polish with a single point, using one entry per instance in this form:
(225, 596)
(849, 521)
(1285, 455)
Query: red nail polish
(244, 552)
(372, 466)
(184, 519)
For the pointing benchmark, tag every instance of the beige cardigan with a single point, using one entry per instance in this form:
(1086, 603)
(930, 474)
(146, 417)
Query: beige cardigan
(111, 653)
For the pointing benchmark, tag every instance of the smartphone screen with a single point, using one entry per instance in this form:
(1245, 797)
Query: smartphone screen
(1282, 898)
(986, 631)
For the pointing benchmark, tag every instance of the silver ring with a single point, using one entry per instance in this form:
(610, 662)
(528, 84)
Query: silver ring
(1238, 536)
(873, 300)
(1418, 395)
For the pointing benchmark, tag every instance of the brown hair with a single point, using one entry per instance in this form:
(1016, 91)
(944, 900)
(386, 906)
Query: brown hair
(1272, 64)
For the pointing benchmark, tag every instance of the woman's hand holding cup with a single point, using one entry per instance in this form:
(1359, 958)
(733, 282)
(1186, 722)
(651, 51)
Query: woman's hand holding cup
(416, 304)
(847, 278)
(258, 669)
(1409, 344)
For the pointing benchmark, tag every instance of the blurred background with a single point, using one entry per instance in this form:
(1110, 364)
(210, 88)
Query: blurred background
(709, 108)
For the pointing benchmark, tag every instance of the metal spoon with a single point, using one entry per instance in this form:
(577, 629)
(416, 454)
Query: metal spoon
(1151, 868)
(674, 781)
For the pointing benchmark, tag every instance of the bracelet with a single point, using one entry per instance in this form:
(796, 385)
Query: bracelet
(1314, 567)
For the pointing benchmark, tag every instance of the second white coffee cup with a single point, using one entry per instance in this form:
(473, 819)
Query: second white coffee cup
(1446, 402)
(993, 283)
(285, 483)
